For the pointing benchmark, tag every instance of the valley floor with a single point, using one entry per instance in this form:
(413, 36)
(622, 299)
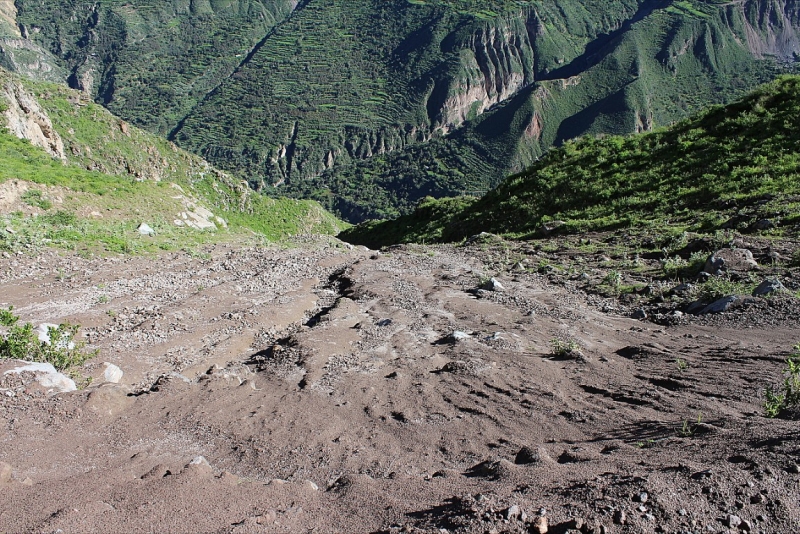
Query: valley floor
(338, 389)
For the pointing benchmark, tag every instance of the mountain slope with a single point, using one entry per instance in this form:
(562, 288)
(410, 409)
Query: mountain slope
(371, 105)
(73, 173)
(729, 167)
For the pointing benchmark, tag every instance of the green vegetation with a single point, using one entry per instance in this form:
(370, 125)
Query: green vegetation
(22, 343)
(137, 177)
(737, 163)
(370, 106)
(565, 348)
(777, 399)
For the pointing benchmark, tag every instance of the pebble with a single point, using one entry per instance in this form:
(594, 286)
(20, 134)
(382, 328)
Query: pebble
(513, 512)
(540, 525)
(642, 497)
(733, 521)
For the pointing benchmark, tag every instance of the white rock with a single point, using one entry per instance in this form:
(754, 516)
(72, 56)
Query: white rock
(178, 222)
(43, 333)
(145, 229)
(112, 373)
(47, 376)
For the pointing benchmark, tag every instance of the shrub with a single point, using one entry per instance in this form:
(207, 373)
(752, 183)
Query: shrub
(787, 395)
(22, 343)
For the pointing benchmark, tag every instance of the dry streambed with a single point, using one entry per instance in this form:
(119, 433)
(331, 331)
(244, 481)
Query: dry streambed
(327, 389)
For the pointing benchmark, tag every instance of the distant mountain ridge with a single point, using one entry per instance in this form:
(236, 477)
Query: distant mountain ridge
(370, 105)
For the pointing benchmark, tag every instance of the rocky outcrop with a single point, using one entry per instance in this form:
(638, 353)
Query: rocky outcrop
(26, 119)
(773, 28)
(496, 62)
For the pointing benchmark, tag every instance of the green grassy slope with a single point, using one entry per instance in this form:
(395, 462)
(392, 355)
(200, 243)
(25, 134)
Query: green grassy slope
(726, 167)
(370, 105)
(125, 176)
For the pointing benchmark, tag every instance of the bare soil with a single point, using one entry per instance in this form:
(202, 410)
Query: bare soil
(331, 389)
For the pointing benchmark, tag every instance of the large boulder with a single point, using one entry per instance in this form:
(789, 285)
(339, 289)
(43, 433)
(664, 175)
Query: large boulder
(730, 259)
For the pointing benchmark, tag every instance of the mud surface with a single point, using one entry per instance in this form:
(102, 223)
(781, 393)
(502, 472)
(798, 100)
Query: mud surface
(330, 389)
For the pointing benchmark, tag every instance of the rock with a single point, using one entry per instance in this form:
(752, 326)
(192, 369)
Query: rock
(112, 373)
(528, 455)
(721, 305)
(549, 228)
(682, 289)
(641, 497)
(620, 518)
(10, 230)
(730, 259)
(764, 224)
(457, 335)
(758, 498)
(43, 333)
(512, 512)
(732, 521)
(640, 314)
(793, 468)
(5, 473)
(26, 119)
(540, 525)
(492, 285)
(746, 525)
(47, 376)
(768, 286)
(145, 229)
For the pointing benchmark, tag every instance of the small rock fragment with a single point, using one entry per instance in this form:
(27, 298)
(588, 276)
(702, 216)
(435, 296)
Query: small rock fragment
(540, 525)
(145, 229)
(732, 521)
(513, 512)
(492, 285)
(112, 374)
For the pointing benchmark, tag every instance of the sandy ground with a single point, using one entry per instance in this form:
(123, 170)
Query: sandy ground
(328, 389)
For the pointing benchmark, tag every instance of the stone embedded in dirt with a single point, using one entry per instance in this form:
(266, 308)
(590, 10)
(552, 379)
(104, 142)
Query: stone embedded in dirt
(145, 229)
(529, 455)
(730, 259)
(639, 313)
(768, 286)
(758, 498)
(5, 473)
(721, 305)
(549, 227)
(457, 335)
(764, 224)
(512, 512)
(492, 285)
(112, 374)
(641, 497)
(47, 377)
(732, 521)
(540, 525)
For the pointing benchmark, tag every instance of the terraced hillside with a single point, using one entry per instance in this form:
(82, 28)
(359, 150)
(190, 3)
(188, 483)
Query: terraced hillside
(369, 106)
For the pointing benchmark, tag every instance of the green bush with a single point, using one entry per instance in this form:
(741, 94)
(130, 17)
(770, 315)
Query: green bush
(787, 395)
(22, 343)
